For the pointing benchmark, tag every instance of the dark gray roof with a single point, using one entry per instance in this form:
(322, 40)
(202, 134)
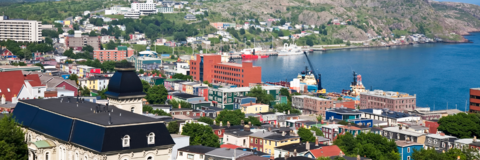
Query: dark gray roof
(279, 137)
(85, 111)
(344, 111)
(237, 133)
(125, 83)
(300, 147)
(388, 113)
(197, 149)
(184, 95)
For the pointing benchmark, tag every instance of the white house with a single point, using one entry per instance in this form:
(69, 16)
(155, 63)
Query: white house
(236, 137)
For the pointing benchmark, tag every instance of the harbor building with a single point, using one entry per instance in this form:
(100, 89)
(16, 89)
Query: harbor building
(20, 30)
(118, 54)
(475, 100)
(209, 67)
(394, 101)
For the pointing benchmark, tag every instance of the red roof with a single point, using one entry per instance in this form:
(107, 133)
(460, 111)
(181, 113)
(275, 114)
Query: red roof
(34, 80)
(326, 151)
(231, 146)
(12, 83)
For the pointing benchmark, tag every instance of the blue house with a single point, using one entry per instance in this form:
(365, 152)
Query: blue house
(342, 114)
(406, 148)
(362, 122)
(243, 100)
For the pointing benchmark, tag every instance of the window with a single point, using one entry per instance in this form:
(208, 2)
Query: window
(85, 158)
(126, 141)
(180, 153)
(220, 132)
(408, 157)
(133, 109)
(47, 156)
(189, 156)
(408, 150)
(201, 156)
(151, 138)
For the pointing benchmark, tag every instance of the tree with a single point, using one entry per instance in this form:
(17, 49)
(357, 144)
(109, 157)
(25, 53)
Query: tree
(318, 132)
(40, 65)
(48, 41)
(253, 120)
(74, 77)
(85, 91)
(371, 145)
(200, 135)
(306, 135)
(149, 109)
(71, 32)
(339, 98)
(319, 117)
(261, 95)
(235, 117)
(339, 158)
(92, 34)
(146, 86)
(111, 45)
(324, 158)
(157, 94)
(12, 139)
(206, 120)
(283, 21)
(104, 31)
(88, 48)
(280, 34)
(242, 31)
(173, 127)
(282, 107)
(348, 43)
(460, 125)
(141, 71)
(309, 42)
(183, 104)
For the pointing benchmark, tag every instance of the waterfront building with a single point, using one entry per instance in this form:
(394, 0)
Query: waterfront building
(391, 117)
(65, 129)
(474, 100)
(406, 148)
(20, 30)
(208, 67)
(118, 54)
(394, 101)
(278, 140)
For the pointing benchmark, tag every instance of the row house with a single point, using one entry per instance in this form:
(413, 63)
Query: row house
(253, 108)
(201, 91)
(278, 140)
(172, 84)
(391, 117)
(394, 101)
(237, 137)
(220, 129)
(94, 83)
(243, 100)
(259, 138)
(403, 133)
(440, 141)
(187, 112)
(331, 131)
(299, 149)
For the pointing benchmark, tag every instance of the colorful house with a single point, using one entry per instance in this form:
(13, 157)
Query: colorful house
(342, 114)
(278, 140)
(406, 148)
(157, 81)
(252, 108)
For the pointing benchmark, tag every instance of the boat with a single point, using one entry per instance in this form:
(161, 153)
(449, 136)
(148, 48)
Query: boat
(290, 49)
(248, 54)
(356, 87)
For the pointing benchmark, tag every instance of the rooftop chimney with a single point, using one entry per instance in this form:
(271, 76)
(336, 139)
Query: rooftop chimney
(14, 99)
(251, 103)
(288, 111)
(307, 146)
(295, 152)
(228, 123)
(242, 122)
(474, 138)
(246, 128)
(214, 122)
(3, 99)
(316, 141)
(358, 157)
(220, 123)
(283, 133)
(179, 106)
(341, 154)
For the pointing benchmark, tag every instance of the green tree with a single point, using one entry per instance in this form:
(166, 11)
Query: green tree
(157, 94)
(141, 71)
(319, 118)
(111, 45)
(12, 139)
(183, 104)
(173, 127)
(88, 48)
(371, 145)
(74, 77)
(339, 158)
(242, 31)
(309, 42)
(460, 125)
(149, 109)
(85, 91)
(40, 65)
(253, 120)
(146, 86)
(200, 135)
(71, 32)
(206, 120)
(235, 117)
(48, 41)
(324, 158)
(92, 34)
(349, 43)
(318, 132)
(261, 95)
(339, 98)
(306, 135)
(282, 107)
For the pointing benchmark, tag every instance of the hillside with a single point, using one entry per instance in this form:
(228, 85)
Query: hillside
(375, 17)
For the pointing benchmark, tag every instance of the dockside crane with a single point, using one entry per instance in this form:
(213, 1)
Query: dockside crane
(318, 77)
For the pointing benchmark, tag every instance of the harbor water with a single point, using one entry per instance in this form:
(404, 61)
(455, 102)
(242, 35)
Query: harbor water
(440, 74)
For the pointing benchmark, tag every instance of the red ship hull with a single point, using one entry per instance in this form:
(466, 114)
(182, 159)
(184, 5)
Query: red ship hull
(249, 56)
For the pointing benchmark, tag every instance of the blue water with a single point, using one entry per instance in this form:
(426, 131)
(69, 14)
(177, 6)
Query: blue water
(436, 73)
(477, 2)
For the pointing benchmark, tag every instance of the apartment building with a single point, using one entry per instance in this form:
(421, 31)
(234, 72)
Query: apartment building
(225, 97)
(209, 67)
(311, 105)
(145, 8)
(20, 30)
(78, 42)
(394, 101)
(475, 100)
(118, 54)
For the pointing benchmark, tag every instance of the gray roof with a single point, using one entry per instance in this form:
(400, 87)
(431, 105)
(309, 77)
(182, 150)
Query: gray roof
(228, 153)
(237, 133)
(262, 134)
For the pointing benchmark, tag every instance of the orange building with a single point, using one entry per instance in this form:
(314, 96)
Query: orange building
(209, 67)
(118, 54)
(475, 100)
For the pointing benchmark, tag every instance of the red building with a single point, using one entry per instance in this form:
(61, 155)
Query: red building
(347, 104)
(432, 126)
(118, 54)
(208, 67)
(475, 100)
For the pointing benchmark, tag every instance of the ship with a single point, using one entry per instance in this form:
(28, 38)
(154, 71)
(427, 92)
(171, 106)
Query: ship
(248, 54)
(356, 87)
(290, 49)
(304, 82)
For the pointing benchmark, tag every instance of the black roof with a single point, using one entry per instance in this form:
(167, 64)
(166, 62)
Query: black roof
(238, 133)
(181, 109)
(125, 83)
(344, 111)
(475, 144)
(184, 95)
(255, 152)
(226, 127)
(81, 127)
(157, 78)
(294, 158)
(267, 113)
(279, 137)
(197, 149)
(85, 111)
(300, 147)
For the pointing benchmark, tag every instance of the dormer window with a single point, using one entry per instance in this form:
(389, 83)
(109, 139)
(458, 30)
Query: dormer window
(126, 141)
(8, 89)
(151, 138)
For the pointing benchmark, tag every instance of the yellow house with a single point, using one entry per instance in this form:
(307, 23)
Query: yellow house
(189, 86)
(278, 140)
(254, 108)
(66, 22)
(94, 83)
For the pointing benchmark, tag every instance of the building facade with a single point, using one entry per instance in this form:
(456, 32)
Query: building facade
(252, 108)
(20, 30)
(406, 148)
(278, 140)
(394, 101)
(316, 106)
(145, 8)
(118, 54)
(259, 138)
(77, 43)
(208, 67)
(475, 100)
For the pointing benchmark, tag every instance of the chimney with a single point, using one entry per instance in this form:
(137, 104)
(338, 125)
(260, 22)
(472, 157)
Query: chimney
(474, 138)
(358, 157)
(179, 106)
(246, 128)
(3, 99)
(321, 121)
(341, 154)
(295, 152)
(250, 123)
(14, 99)
(272, 157)
(307, 146)
(214, 122)
(269, 129)
(288, 111)
(228, 123)
(242, 122)
(251, 103)
(283, 133)
(220, 123)
(316, 141)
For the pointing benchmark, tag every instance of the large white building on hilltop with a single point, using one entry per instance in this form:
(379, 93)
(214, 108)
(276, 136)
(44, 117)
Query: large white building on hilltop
(20, 30)
(145, 8)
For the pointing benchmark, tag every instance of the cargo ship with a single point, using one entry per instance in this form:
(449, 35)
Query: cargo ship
(249, 54)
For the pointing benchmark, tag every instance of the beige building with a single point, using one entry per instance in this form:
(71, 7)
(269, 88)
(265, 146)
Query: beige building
(20, 30)
(78, 42)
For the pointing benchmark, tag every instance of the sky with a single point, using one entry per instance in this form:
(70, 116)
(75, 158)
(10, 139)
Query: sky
(477, 2)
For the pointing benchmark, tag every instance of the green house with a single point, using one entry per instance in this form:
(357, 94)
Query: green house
(157, 81)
